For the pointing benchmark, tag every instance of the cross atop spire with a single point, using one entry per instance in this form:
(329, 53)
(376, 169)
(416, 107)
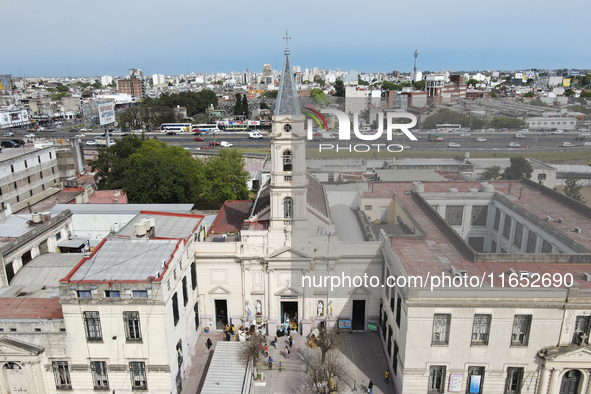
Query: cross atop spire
(286, 38)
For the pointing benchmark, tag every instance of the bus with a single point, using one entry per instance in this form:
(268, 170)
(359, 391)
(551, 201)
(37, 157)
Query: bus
(236, 127)
(205, 128)
(178, 127)
(448, 127)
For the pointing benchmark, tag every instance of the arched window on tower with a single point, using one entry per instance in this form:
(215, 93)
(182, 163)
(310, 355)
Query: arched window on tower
(287, 157)
(288, 208)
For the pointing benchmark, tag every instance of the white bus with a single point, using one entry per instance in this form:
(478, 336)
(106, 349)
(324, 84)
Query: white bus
(205, 128)
(442, 128)
(178, 127)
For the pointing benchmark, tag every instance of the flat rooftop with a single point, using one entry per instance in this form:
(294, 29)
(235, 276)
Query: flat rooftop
(436, 254)
(30, 308)
(10, 153)
(126, 260)
(167, 225)
(129, 209)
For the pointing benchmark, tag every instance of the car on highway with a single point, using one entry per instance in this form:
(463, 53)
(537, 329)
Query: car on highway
(519, 136)
(9, 134)
(171, 133)
(439, 139)
(557, 132)
(514, 145)
(524, 131)
(198, 139)
(544, 133)
(490, 130)
(465, 135)
(30, 135)
(454, 145)
(8, 144)
(503, 130)
(481, 139)
(80, 136)
(226, 144)
(212, 143)
(567, 144)
(255, 135)
(90, 143)
(581, 137)
(197, 134)
(587, 143)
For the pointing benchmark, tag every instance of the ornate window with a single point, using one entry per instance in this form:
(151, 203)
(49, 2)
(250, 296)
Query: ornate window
(287, 160)
(481, 329)
(440, 329)
(436, 379)
(132, 326)
(92, 323)
(520, 335)
(288, 208)
(61, 372)
(99, 375)
(138, 375)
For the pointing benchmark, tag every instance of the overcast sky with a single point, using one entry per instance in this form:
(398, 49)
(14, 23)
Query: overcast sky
(98, 37)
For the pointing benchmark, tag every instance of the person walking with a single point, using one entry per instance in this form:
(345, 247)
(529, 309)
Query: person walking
(370, 387)
(290, 340)
(266, 350)
(275, 342)
(270, 362)
(286, 352)
(208, 343)
(387, 376)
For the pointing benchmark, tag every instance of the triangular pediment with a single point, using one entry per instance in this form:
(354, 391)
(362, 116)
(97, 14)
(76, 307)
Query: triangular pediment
(17, 348)
(219, 290)
(288, 291)
(288, 254)
(572, 353)
(360, 291)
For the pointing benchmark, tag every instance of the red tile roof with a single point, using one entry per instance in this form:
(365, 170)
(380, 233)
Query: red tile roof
(30, 308)
(231, 217)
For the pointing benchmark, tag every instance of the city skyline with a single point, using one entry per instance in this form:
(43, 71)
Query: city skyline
(83, 40)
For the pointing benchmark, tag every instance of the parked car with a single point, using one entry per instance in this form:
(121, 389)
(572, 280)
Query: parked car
(519, 136)
(30, 135)
(226, 144)
(557, 132)
(454, 145)
(198, 139)
(481, 139)
(567, 144)
(212, 143)
(490, 130)
(8, 144)
(171, 133)
(90, 143)
(19, 142)
(514, 145)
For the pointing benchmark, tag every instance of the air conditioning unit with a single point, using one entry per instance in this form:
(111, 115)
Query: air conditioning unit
(463, 273)
(523, 274)
(560, 220)
(587, 277)
(512, 271)
(548, 218)
(577, 230)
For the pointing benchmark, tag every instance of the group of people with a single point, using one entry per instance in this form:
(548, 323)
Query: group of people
(229, 331)
(386, 380)
(286, 353)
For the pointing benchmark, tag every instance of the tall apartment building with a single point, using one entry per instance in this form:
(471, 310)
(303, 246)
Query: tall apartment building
(132, 86)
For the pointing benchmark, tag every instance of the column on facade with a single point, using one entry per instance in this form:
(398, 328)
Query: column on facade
(554, 382)
(543, 387)
(589, 384)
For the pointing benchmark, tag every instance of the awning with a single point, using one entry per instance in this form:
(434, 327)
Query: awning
(74, 243)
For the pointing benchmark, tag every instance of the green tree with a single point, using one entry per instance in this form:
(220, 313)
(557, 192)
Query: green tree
(529, 94)
(195, 102)
(319, 81)
(499, 122)
(238, 106)
(263, 105)
(245, 108)
(518, 169)
(586, 94)
(494, 95)
(491, 173)
(339, 88)
(319, 96)
(362, 82)
(572, 188)
(111, 163)
(159, 173)
(225, 179)
(97, 84)
(271, 94)
(538, 103)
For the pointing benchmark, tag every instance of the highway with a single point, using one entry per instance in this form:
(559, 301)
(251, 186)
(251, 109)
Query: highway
(495, 141)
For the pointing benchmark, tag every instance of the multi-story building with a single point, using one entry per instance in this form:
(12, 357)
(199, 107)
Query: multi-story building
(132, 86)
(23, 175)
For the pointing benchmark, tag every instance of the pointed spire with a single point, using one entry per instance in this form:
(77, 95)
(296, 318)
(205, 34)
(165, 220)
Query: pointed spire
(287, 97)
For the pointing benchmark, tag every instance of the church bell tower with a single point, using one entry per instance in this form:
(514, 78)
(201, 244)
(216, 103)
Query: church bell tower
(288, 185)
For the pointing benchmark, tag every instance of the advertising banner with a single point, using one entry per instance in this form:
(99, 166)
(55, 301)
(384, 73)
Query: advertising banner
(344, 323)
(106, 113)
(566, 82)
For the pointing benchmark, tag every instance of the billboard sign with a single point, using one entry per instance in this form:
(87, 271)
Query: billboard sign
(106, 113)
(566, 82)
(344, 324)
(5, 82)
(136, 72)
